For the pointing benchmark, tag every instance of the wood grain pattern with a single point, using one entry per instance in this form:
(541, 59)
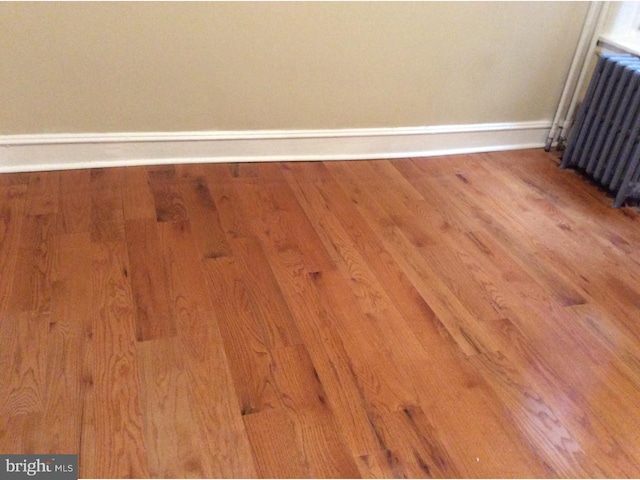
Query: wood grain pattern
(269, 306)
(43, 194)
(137, 199)
(222, 441)
(33, 279)
(203, 217)
(68, 345)
(13, 179)
(468, 316)
(74, 203)
(116, 418)
(233, 219)
(24, 337)
(166, 194)
(244, 338)
(316, 431)
(169, 423)
(107, 215)
(272, 431)
(148, 277)
(12, 202)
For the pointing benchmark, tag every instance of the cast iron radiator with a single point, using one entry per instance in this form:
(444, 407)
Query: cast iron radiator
(604, 142)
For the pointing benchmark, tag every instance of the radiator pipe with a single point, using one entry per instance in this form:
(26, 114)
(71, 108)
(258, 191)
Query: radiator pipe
(578, 60)
(602, 15)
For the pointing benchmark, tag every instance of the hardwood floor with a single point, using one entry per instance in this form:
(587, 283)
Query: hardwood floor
(467, 316)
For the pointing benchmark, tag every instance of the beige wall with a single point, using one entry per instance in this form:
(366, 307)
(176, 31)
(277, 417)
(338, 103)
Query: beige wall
(125, 67)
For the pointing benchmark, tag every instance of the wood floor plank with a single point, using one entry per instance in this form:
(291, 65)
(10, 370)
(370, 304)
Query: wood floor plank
(43, 193)
(257, 173)
(233, 220)
(560, 225)
(480, 399)
(267, 301)
(218, 173)
(415, 449)
(622, 342)
(377, 369)
(243, 336)
(33, 279)
(461, 213)
(586, 272)
(564, 210)
(544, 402)
(149, 282)
(137, 198)
(540, 421)
(74, 206)
(24, 353)
(189, 172)
(523, 251)
(16, 433)
(169, 424)
(325, 451)
(69, 346)
(545, 315)
(472, 263)
(116, 419)
(107, 216)
(327, 351)
(571, 192)
(166, 194)
(457, 319)
(383, 464)
(279, 206)
(275, 448)
(419, 316)
(14, 179)
(203, 216)
(12, 202)
(221, 434)
(363, 371)
(169, 203)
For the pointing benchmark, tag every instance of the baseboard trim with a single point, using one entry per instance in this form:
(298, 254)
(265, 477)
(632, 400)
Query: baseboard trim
(20, 153)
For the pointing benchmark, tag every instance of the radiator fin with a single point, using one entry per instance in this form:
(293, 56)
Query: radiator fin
(604, 142)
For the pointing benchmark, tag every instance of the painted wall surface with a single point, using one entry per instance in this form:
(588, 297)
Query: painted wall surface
(140, 67)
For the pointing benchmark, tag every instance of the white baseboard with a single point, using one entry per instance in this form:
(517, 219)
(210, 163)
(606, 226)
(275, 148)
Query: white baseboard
(21, 153)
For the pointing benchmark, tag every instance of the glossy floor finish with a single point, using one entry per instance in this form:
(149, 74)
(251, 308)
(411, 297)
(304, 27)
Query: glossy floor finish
(468, 316)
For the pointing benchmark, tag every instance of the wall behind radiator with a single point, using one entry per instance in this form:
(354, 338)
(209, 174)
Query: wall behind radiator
(154, 67)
